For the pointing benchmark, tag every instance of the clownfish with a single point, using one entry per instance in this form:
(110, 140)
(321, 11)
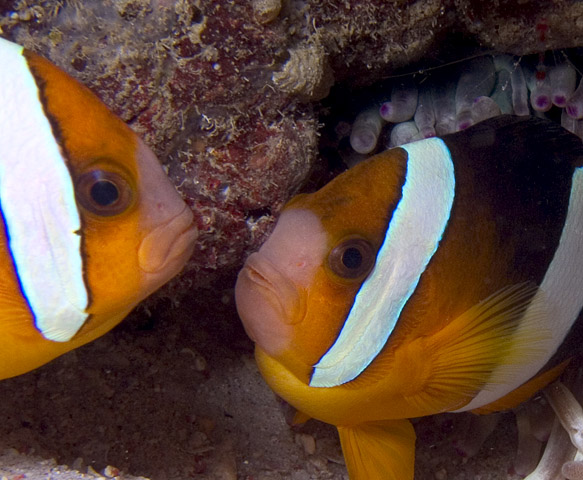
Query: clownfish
(90, 224)
(439, 276)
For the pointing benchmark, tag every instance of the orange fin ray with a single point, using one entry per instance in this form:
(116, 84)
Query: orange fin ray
(500, 334)
(383, 450)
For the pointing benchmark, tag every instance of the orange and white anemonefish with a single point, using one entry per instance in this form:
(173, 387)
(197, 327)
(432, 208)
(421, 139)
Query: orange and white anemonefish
(439, 276)
(90, 223)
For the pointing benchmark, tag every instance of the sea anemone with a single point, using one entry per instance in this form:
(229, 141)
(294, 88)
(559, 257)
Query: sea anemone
(453, 98)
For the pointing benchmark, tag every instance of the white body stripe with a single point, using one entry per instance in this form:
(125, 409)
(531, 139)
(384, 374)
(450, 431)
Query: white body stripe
(561, 293)
(38, 204)
(411, 240)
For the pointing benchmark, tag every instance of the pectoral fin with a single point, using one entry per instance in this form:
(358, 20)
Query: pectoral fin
(485, 347)
(384, 450)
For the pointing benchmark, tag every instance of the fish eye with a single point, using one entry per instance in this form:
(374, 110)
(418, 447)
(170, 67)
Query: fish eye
(103, 193)
(352, 258)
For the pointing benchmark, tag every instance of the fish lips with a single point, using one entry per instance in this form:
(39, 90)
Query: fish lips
(269, 304)
(169, 246)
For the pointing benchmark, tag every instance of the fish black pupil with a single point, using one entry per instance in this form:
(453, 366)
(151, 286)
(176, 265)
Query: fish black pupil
(104, 193)
(352, 258)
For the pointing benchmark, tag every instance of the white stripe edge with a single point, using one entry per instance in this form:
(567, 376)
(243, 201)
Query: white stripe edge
(38, 204)
(411, 240)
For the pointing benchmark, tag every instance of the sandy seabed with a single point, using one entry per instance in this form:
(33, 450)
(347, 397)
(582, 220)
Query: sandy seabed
(174, 393)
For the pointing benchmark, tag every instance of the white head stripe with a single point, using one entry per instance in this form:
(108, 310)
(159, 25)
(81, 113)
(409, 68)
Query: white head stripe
(38, 204)
(559, 292)
(412, 238)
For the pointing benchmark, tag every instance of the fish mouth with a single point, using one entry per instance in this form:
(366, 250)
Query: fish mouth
(268, 303)
(169, 246)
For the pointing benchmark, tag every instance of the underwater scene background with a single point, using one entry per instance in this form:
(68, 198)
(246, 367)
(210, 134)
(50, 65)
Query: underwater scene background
(246, 103)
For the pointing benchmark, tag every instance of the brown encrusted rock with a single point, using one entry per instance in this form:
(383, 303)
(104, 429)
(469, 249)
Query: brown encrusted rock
(194, 79)
(307, 74)
(367, 39)
(266, 11)
(523, 27)
(221, 89)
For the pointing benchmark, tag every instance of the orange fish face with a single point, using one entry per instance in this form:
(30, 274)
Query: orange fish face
(143, 237)
(99, 226)
(138, 232)
(294, 294)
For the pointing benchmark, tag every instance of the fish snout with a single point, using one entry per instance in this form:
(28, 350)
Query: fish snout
(169, 246)
(268, 302)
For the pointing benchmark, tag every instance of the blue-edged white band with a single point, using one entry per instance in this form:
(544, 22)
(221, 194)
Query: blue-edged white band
(38, 204)
(412, 238)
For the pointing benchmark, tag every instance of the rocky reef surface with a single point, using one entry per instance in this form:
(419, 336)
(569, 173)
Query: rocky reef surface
(231, 95)
(226, 92)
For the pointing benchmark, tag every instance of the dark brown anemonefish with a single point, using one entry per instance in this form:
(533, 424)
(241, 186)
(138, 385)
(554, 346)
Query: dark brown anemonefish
(90, 224)
(439, 276)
